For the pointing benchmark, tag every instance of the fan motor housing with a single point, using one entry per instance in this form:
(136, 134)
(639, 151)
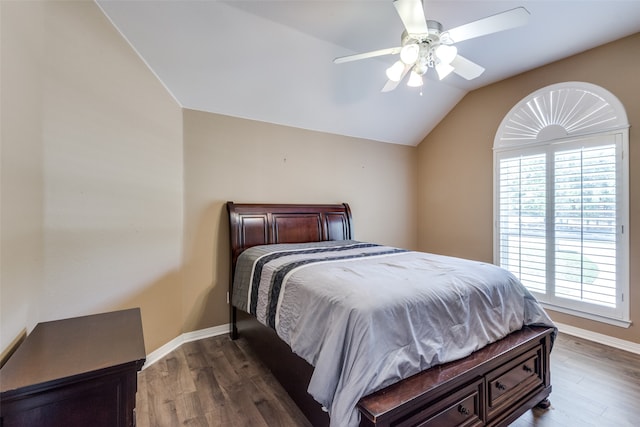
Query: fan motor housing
(431, 38)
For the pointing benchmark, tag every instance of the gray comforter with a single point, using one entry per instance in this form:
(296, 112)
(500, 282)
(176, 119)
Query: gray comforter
(366, 316)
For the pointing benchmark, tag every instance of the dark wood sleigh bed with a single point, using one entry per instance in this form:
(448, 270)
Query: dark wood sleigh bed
(493, 386)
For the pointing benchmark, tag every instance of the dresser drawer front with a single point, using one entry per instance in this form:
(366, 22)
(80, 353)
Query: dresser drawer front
(92, 403)
(511, 382)
(462, 408)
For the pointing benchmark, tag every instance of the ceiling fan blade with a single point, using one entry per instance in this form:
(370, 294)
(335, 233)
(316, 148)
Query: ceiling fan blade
(391, 85)
(465, 68)
(502, 21)
(412, 15)
(365, 55)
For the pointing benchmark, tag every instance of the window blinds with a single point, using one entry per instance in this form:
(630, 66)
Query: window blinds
(522, 219)
(585, 224)
(557, 220)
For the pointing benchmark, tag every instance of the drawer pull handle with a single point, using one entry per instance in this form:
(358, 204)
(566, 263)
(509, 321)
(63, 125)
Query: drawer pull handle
(464, 411)
(527, 369)
(500, 386)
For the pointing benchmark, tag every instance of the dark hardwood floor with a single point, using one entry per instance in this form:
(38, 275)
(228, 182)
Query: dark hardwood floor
(212, 382)
(218, 382)
(593, 385)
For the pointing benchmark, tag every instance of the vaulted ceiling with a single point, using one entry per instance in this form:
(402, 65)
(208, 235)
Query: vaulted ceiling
(272, 60)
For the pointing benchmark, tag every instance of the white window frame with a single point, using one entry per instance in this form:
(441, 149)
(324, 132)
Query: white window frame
(546, 121)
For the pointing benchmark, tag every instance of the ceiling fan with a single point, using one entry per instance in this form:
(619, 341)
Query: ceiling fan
(425, 45)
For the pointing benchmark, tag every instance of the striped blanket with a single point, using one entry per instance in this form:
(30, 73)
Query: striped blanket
(366, 316)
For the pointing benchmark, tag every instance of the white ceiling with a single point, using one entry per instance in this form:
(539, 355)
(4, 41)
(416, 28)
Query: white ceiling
(271, 60)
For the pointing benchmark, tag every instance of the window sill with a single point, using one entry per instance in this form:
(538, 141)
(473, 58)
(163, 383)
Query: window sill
(622, 323)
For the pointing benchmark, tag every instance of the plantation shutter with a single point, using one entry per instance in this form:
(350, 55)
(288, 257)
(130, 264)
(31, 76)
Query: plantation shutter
(522, 184)
(585, 224)
(557, 221)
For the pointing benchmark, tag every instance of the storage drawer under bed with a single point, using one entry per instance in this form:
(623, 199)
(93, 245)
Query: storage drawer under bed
(514, 380)
(463, 408)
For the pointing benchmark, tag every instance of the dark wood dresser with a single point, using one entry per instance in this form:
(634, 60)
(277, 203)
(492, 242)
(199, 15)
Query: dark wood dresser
(75, 372)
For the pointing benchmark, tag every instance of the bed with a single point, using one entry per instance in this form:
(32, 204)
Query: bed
(494, 385)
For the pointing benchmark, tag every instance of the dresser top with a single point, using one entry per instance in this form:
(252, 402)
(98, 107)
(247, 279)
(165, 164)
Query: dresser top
(66, 348)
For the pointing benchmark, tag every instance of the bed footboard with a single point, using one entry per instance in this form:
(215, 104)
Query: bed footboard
(492, 387)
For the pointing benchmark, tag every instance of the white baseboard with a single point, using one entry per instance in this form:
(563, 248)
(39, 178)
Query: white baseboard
(599, 338)
(161, 352)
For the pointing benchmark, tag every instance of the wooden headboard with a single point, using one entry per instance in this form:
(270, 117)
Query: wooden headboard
(252, 224)
(262, 224)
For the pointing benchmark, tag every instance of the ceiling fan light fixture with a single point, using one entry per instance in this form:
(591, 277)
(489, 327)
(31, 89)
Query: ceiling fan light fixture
(424, 44)
(409, 53)
(443, 70)
(446, 53)
(395, 72)
(415, 79)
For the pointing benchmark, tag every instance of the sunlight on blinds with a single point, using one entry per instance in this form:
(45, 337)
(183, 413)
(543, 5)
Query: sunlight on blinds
(585, 224)
(522, 192)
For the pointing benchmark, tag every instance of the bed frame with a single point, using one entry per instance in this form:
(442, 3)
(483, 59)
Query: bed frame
(492, 386)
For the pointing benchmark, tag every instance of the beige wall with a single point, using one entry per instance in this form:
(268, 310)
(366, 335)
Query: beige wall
(98, 196)
(92, 163)
(21, 175)
(247, 161)
(455, 162)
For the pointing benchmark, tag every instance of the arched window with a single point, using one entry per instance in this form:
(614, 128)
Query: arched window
(561, 199)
